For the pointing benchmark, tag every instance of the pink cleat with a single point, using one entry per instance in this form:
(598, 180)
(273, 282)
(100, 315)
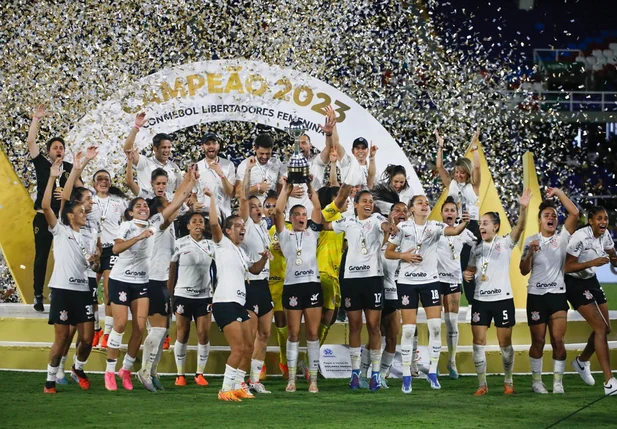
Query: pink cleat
(125, 376)
(110, 382)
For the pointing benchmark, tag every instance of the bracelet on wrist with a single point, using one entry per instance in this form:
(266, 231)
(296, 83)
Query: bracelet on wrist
(328, 135)
(137, 126)
(371, 158)
(36, 118)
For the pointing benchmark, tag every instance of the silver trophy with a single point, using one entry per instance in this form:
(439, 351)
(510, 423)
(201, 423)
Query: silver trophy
(298, 168)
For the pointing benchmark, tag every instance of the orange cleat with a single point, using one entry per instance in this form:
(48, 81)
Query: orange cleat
(104, 341)
(51, 389)
(508, 389)
(284, 371)
(97, 337)
(228, 396)
(199, 379)
(166, 343)
(243, 392)
(180, 380)
(262, 374)
(80, 376)
(482, 390)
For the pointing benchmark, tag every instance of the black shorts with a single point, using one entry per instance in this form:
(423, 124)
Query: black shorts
(160, 300)
(449, 288)
(540, 308)
(302, 295)
(409, 296)
(482, 312)
(123, 293)
(192, 308)
(94, 286)
(584, 291)
(362, 293)
(70, 307)
(108, 259)
(258, 297)
(389, 307)
(228, 312)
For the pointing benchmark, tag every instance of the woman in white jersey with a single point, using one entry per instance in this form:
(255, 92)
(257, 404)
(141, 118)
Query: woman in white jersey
(233, 266)
(109, 206)
(362, 281)
(449, 267)
(302, 294)
(591, 247)
(489, 263)
(71, 299)
(192, 259)
(415, 245)
(544, 255)
(464, 187)
(128, 283)
(258, 297)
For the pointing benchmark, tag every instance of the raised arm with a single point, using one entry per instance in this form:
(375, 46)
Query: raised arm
(333, 158)
(527, 258)
(328, 130)
(215, 227)
(244, 192)
(316, 214)
(54, 173)
(228, 187)
(443, 173)
(572, 219)
(372, 168)
(281, 202)
(39, 113)
(572, 264)
(140, 120)
(456, 230)
(122, 245)
(409, 256)
(259, 265)
(79, 163)
(131, 155)
(476, 174)
(342, 196)
(518, 229)
(182, 193)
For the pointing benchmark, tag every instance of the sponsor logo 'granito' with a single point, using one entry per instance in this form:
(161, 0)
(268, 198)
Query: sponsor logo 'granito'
(445, 275)
(134, 273)
(80, 281)
(304, 273)
(359, 267)
(490, 292)
(546, 285)
(415, 275)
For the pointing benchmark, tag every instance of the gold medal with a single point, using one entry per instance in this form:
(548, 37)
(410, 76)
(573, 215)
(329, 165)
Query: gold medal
(298, 261)
(299, 257)
(483, 277)
(364, 250)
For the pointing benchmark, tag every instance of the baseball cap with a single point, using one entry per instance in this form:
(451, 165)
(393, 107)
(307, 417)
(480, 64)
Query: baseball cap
(209, 137)
(359, 141)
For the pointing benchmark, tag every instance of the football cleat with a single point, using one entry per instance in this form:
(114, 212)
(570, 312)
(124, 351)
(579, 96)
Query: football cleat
(199, 379)
(482, 390)
(125, 376)
(539, 387)
(110, 382)
(434, 382)
(406, 386)
(80, 377)
(228, 396)
(180, 380)
(146, 379)
(258, 388)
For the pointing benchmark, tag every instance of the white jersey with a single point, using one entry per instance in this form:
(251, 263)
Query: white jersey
(362, 234)
(449, 256)
(463, 194)
(300, 251)
(426, 237)
(148, 194)
(586, 248)
(90, 233)
(232, 266)
(497, 285)
(390, 276)
(164, 241)
(208, 178)
(133, 265)
(547, 264)
(345, 162)
(145, 166)
(194, 260)
(271, 172)
(109, 211)
(256, 240)
(69, 260)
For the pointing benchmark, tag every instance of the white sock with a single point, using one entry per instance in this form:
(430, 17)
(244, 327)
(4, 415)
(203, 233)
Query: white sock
(151, 348)
(203, 351)
(559, 366)
(451, 320)
(97, 321)
(536, 368)
(111, 365)
(507, 357)
(292, 359)
(256, 366)
(240, 375)
(386, 363)
(313, 357)
(407, 336)
(79, 365)
(127, 363)
(61, 367)
(115, 340)
(229, 378)
(365, 362)
(109, 325)
(52, 373)
(479, 360)
(354, 353)
(375, 361)
(434, 343)
(180, 355)
(155, 365)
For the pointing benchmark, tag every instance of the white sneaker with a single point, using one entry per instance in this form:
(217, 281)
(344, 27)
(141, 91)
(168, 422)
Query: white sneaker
(610, 388)
(258, 388)
(583, 370)
(539, 387)
(558, 387)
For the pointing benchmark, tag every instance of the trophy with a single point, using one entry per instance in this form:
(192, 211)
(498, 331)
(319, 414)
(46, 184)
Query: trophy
(298, 168)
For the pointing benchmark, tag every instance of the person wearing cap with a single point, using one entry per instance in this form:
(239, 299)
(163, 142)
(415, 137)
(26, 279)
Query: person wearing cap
(361, 149)
(215, 173)
(144, 166)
